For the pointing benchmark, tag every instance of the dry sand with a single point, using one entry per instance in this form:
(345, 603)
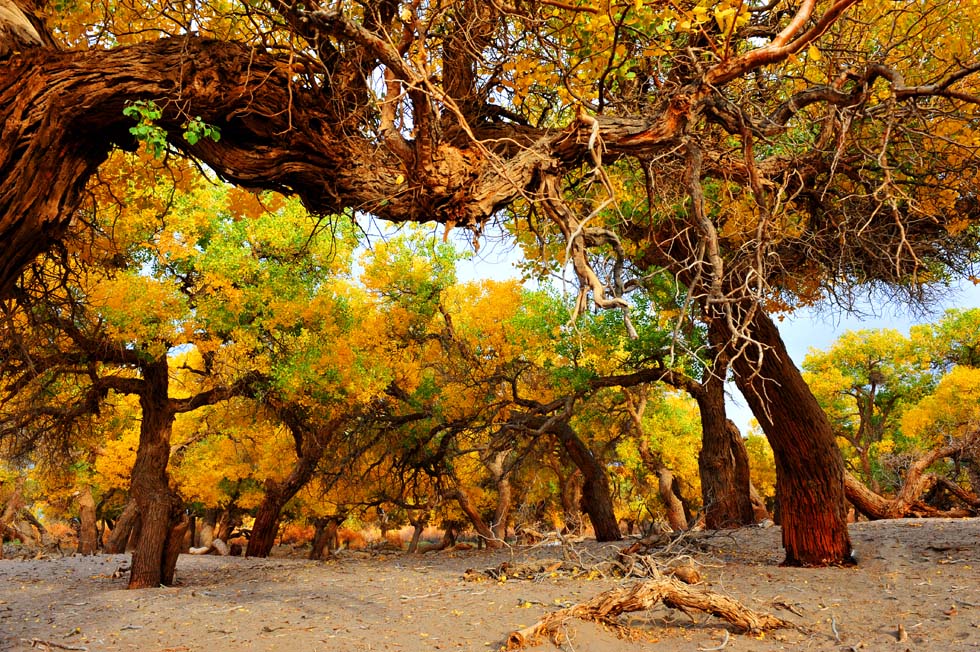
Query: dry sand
(922, 575)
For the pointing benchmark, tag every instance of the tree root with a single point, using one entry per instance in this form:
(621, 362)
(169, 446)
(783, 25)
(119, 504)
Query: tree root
(607, 606)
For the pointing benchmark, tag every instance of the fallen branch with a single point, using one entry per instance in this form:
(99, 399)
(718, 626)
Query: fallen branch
(607, 606)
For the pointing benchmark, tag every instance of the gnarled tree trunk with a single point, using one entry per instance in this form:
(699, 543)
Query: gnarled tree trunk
(466, 505)
(310, 443)
(723, 461)
(907, 502)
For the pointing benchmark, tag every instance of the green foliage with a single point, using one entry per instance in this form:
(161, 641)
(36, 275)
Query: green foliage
(196, 129)
(147, 131)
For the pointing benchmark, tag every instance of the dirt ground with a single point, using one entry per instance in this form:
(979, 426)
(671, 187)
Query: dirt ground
(922, 575)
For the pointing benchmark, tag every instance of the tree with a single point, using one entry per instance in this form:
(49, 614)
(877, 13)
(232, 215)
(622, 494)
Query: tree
(864, 382)
(759, 153)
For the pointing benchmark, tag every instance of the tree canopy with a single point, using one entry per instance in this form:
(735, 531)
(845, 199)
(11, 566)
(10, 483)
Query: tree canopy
(759, 156)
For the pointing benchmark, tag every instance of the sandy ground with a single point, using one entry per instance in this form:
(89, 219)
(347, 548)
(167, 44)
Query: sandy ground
(922, 575)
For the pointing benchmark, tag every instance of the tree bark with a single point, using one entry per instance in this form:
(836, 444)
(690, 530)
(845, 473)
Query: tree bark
(88, 538)
(158, 506)
(206, 528)
(310, 443)
(571, 501)
(501, 480)
(809, 466)
(596, 497)
(263, 537)
(465, 504)
(325, 537)
(722, 465)
(917, 482)
(670, 496)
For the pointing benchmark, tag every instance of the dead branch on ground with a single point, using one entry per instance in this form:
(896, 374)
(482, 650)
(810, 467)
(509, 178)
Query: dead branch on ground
(606, 607)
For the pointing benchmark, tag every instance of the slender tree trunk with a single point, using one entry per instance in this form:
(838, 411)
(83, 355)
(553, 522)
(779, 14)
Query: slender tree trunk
(809, 466)
(88, 538)
(419, 524)
(158, 506)
(501, 480)
(465, 504)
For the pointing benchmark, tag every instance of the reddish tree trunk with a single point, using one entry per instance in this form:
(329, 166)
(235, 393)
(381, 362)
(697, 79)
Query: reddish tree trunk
(158, 507)
(310, 443)
(809, 466)
(263, 537)
(722, 462)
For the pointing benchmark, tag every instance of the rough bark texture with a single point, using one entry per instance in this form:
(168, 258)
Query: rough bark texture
(156, 503)
(670, 495)
(596, 497)
(501, 480)
(310, 442)
(723, 461)
(809, 467)
(908, 500)
(88, 537)
(607, 606)
(119, 536)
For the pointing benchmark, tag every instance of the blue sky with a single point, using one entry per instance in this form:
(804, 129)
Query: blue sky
(814, 328)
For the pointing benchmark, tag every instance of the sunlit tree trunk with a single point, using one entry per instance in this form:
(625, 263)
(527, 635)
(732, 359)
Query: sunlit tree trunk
(88, 538)
(809, 466)
(501, 480)
(159, 508)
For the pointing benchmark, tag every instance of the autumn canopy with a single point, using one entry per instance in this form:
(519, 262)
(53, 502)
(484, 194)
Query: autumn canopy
(755, 156)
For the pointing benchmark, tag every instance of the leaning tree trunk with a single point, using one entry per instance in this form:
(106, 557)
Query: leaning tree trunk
(596, 497)
(917, 482)
(468, 508)
(266, 525)
(158, 506)
(809, 466)
(121, 529)
(310, 443)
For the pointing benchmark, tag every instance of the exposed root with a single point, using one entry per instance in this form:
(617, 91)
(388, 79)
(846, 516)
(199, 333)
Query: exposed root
(606, 607)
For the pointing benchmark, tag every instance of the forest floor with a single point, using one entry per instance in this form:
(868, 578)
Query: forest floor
(922, 575)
